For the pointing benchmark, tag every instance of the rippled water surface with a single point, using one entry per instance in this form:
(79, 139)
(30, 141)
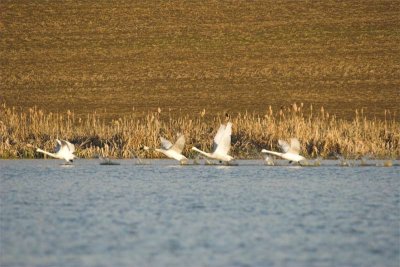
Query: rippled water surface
(163, 214)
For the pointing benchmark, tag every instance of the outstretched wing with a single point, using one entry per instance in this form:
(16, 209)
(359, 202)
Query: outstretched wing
(225, 140)
(68, 146)
(218, 136)
(179, 144)
(284, 145)
(58, 146)
(294, 146)
(165, 144)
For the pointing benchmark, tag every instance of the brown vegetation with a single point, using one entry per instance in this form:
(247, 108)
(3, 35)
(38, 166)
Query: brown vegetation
(320, 133)
(109, 56)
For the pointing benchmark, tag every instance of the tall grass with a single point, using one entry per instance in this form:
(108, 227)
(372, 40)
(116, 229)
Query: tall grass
(320, 133)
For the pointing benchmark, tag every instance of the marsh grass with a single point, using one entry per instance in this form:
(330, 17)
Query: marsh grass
(320, 133)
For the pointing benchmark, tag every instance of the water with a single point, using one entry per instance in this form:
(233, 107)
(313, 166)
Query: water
(168, 215)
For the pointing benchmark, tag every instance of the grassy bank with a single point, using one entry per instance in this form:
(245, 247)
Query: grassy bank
(320, 133)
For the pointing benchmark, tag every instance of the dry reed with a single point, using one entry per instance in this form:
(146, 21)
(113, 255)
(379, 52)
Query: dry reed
(320, 133)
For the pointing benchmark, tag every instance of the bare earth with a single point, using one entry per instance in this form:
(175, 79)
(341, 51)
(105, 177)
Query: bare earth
(186, 56)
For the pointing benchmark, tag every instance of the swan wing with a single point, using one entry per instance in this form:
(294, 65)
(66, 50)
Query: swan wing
(284, 145)
(179, 144)
(58, 146)
(165, 144)
(70, 146)
(294, 146)
(67, 147)
(218, 136)
(225, 140)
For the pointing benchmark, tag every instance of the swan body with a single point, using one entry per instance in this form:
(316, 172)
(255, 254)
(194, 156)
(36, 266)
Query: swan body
(290, 152)
(64, 150)
(173, 151)
(222, 144)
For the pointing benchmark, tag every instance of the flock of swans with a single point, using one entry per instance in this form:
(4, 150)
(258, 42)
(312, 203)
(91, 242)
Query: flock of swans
(220, 152)
(221, 146)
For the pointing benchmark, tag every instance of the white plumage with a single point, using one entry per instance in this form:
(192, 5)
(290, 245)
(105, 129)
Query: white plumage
(290, 152)
(173, 151)
(63, 150)
(221, 145)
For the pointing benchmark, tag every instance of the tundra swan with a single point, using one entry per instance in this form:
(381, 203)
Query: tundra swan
(290, 152)
(221, 145)
(64, 150)
(173, 151)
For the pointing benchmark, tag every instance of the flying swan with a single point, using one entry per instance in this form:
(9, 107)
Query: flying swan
(290, 152)
(172, 151)
(64, 150)
(221, 145)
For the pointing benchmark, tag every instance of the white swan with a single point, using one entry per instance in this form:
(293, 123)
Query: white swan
(172, 151)
(290, 152)
(64, 150)
(222, 144)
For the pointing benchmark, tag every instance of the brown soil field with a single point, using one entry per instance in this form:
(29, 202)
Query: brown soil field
(186, 56)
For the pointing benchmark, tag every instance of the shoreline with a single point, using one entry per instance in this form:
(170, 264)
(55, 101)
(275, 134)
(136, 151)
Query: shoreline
(321, 134)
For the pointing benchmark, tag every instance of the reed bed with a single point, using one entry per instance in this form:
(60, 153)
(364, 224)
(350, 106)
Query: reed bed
(320, 133)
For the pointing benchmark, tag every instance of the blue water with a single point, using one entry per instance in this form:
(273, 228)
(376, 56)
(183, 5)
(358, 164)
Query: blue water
(163, 214)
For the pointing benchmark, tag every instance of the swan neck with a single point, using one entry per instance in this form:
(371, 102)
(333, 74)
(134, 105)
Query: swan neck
(47, 153)
(202, 152)
(273, 152)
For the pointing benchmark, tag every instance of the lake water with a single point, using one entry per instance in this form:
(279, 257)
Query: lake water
(164, 214)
